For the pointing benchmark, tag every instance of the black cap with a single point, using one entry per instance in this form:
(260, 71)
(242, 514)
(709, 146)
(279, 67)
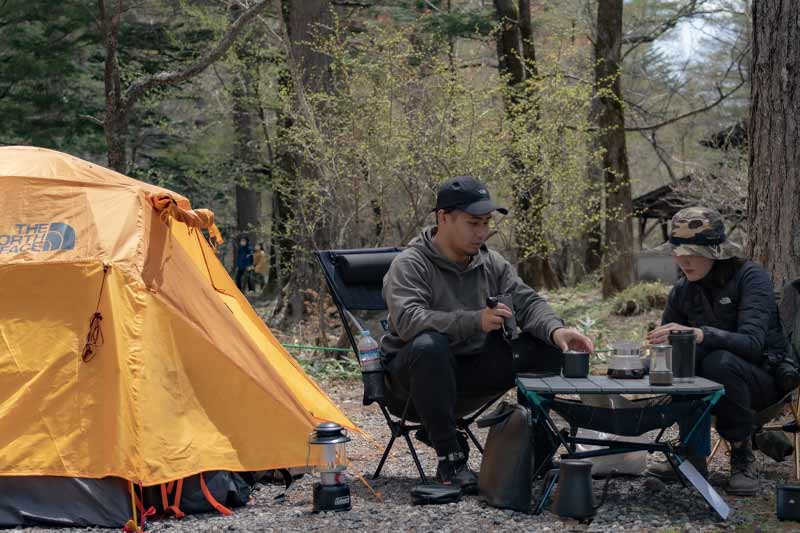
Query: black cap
(467, 194)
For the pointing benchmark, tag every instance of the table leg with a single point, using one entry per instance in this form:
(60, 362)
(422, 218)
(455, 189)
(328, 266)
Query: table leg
(702, 486)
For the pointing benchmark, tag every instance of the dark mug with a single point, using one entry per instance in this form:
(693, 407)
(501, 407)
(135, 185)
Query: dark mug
(683, 355)
(576, 364)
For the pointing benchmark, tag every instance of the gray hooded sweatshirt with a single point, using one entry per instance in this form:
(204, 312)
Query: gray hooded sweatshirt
(426, 291)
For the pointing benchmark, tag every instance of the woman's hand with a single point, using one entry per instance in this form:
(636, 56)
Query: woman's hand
(660, 335)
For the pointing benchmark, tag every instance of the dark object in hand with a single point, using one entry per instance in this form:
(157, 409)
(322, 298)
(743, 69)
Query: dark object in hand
(509, 323)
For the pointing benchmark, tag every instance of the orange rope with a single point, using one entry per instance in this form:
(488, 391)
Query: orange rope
(371, 440)
(378, 495)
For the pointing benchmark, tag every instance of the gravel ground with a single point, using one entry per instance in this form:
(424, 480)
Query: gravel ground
(633, 504)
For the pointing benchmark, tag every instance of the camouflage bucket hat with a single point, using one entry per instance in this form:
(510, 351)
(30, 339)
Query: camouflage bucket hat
(700, 231)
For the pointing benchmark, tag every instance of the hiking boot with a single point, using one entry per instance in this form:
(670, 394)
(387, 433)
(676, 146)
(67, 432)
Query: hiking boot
(744, 478)
(422, 436)
(454, 470)
(664, 471)
(774, 444)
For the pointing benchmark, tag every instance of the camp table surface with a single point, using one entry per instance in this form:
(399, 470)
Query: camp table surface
(549, 387)
(606, 385)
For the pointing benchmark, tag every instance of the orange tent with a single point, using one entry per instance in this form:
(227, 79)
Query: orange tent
(125, 348)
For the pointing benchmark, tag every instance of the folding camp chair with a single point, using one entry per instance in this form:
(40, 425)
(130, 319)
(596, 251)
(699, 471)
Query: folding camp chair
(789, 301)
(355, 281)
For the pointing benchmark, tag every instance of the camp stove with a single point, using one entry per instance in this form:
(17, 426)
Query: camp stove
(625, 362)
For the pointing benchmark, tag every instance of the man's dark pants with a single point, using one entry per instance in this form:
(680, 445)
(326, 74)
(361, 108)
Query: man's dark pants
(439, 381)
(748, 389)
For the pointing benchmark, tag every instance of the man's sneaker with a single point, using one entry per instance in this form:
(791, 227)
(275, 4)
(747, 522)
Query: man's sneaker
(665, 472)
(744, 478)
(454, 470)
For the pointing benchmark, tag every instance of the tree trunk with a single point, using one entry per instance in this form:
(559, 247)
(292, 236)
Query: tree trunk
(619, 271)
(516, 56)
(115, 124)
(773, 212)
(305, 21)
(246, 158)
(509, 42)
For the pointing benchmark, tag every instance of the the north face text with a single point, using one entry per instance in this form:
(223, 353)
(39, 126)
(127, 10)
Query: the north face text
(47, 237)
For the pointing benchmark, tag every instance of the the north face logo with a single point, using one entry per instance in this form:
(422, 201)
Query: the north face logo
(38, 238)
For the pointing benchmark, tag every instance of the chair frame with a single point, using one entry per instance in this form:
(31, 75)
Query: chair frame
(399, 427)
(764, 416)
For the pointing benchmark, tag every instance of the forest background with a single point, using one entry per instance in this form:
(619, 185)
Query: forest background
(314, 124)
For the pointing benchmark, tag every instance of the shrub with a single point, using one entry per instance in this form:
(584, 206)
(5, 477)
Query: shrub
(640, 298)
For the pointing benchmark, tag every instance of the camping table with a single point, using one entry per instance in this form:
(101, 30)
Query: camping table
(696, 398)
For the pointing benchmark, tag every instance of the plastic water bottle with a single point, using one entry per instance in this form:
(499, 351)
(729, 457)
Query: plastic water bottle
(369, 354)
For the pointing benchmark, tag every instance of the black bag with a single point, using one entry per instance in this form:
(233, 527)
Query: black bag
(506, 475)
(435, 494)
(224, 490)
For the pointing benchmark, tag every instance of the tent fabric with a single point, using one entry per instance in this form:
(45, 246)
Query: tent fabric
(187, 379)
(40, 500)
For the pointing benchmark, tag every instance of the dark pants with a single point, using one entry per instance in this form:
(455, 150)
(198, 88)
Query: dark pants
(748, 389)
(244, 279)
(438, 381)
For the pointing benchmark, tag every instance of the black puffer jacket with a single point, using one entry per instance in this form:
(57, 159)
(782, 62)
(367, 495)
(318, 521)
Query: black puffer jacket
(735, 309)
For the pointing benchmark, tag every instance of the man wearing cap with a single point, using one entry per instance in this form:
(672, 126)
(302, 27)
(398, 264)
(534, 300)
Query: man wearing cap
(729, 304)
(444, 347)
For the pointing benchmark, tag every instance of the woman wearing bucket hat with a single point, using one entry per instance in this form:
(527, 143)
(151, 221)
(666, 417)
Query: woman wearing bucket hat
(729, 304)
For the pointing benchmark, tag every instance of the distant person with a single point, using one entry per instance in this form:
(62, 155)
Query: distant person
(244, 262)
(729, 304)
(260, 266)
(444, 346)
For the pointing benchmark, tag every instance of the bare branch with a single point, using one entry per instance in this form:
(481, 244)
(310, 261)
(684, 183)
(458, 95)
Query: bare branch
(689, 10)
(94, 120)
(432, 6)
(5, 92)
(478, 63)
(661, 153)
(139, 88)
(721, 96)
(353, 3)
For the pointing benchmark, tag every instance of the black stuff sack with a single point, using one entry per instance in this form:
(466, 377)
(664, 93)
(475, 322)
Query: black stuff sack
(435, 494)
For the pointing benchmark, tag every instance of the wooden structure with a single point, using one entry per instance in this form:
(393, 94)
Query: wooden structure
(661, 204)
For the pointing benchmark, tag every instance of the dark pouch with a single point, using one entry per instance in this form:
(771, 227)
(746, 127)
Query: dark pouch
(435, 494)
(506, 469)
(788, 502)
(374, 386)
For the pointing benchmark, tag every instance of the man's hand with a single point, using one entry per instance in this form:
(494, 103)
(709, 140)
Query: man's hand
(660, 335)
(492, 318)
(572, 339)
